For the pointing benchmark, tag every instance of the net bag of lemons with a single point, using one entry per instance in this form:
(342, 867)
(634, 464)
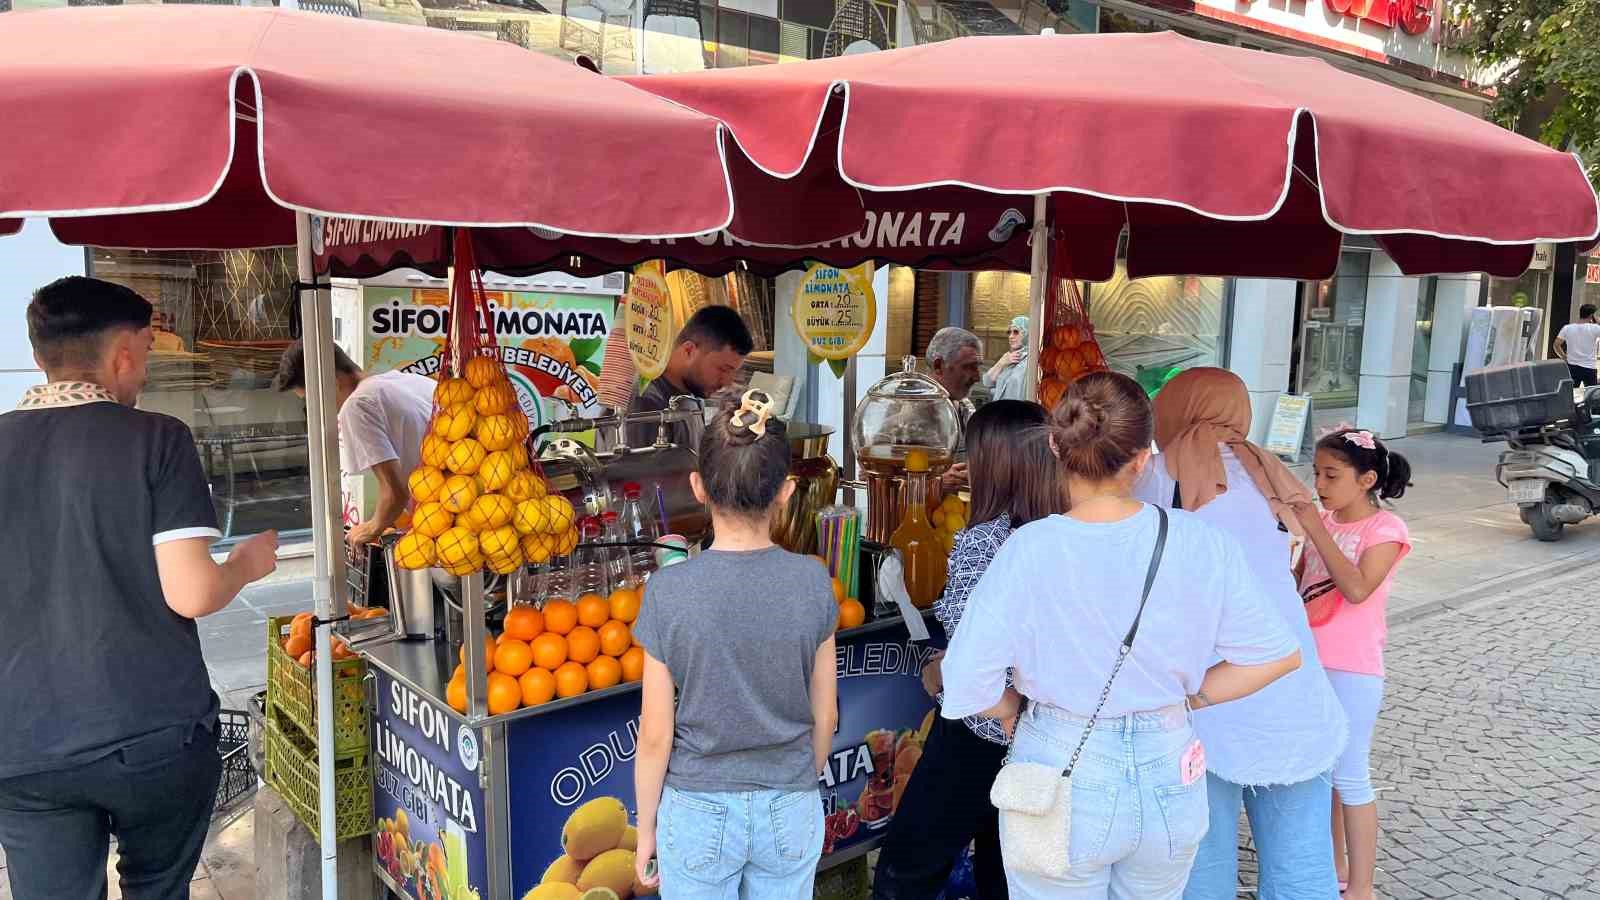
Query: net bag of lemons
(479, 500)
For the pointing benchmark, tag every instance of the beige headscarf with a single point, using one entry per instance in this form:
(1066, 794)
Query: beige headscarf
(1205, 407)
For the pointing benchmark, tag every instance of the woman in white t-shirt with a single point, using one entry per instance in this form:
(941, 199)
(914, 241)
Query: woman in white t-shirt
(1271, 752)
(1056, 605)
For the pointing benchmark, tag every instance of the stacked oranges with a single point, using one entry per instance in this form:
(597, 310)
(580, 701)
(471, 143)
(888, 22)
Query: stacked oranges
(851, 611)
(478, 501)
(562, 650)
(1069, 352)
(299, 642)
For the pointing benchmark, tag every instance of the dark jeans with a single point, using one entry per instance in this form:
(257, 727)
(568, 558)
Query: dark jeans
(1582, 377)
(945, 806)
(155, 795)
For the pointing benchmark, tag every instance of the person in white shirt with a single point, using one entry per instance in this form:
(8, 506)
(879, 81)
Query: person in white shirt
(382, 421)
(1578, 344)
(1056, 606)
(1271, 752)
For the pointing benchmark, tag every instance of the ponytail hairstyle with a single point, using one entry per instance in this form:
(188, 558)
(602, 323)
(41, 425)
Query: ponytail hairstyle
(744, 455)
(1101, 424)
(1365, 453)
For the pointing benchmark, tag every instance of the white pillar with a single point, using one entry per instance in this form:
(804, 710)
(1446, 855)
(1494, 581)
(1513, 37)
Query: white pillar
(1453, 300)
(1260, 342)
(1386, 346)
(789, 351)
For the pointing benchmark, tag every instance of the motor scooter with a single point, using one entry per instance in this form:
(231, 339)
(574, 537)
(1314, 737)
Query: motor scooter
(1551, 469)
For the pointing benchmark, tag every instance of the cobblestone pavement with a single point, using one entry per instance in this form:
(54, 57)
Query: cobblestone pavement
(1488, 751)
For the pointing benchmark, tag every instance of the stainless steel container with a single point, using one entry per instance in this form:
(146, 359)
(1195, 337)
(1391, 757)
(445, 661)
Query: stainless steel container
(593, 482)
(416, 607)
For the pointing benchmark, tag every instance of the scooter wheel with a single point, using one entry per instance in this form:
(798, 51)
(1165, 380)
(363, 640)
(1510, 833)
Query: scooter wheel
(1544, 525)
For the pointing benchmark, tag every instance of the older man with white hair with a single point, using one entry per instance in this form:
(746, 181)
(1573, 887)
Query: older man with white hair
(954, 357)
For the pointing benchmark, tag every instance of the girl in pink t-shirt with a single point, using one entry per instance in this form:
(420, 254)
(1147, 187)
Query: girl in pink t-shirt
(1345, 576)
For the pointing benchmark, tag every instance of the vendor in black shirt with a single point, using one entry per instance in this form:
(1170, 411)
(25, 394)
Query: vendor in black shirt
(109, 717)
(705, 357)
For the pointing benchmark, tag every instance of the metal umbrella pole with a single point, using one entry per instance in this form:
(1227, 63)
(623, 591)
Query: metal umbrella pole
(327, 531)
(1038, 290)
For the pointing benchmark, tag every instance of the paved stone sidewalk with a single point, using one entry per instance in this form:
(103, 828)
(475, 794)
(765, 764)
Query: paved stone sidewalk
(1487, 754)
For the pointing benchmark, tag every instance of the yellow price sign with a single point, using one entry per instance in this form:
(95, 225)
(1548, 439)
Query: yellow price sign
(648, 314)
(834, 310)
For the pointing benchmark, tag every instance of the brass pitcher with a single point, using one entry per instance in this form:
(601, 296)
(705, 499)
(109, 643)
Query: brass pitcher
(816, 482)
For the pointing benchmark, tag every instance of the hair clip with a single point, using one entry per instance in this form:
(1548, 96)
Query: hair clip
(1362, 439)
(758, 406)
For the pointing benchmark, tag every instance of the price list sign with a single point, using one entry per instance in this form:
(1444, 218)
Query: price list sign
(834, 310)
(649, 319)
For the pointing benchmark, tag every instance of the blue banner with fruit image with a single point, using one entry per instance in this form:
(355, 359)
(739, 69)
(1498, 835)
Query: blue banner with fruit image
(571, 773)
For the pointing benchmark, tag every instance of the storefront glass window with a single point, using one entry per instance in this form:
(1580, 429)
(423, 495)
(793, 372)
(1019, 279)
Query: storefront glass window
(222, 323)
(1333, 315)
(1154, 328)
(1421, 347)
(1531, 291)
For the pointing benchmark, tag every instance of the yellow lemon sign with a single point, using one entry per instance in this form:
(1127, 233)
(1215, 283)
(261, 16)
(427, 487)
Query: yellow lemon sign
(834, 310)
(649, 319)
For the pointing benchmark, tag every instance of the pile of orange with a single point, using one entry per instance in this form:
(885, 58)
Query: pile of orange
(300, 644)
(949, 518)
(562, 650)
(1069, 353)
(478, 500)
(851, 612)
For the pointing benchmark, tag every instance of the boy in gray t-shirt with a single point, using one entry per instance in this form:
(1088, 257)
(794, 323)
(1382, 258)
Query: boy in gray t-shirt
(739, 633)
(740, 698)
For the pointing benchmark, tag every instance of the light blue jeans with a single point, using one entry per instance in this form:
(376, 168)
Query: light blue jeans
(1294, 847)
(753, 845)
(1135, 824)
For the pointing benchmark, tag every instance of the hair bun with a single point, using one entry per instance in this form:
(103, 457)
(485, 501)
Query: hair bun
(1102, 423)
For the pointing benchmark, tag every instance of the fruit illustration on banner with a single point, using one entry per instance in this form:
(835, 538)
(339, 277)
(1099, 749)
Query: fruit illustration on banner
(834, 310)
(649, 324)
(597, 856)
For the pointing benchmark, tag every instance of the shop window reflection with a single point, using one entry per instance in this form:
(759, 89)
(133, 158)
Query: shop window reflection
(222, 322)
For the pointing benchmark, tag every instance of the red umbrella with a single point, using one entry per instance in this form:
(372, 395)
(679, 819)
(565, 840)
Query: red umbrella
(1214, 159)
(203, 127)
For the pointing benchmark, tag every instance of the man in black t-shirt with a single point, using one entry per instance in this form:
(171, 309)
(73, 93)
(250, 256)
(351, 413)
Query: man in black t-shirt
(705, 358)
(107, 718)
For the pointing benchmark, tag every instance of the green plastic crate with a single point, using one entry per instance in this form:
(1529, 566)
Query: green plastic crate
(292, 772)
(292, 694)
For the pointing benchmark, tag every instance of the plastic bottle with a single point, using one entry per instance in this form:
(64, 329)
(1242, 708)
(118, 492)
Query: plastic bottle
(921, 552)
(590, 569)
(619, 562)
(640, 529)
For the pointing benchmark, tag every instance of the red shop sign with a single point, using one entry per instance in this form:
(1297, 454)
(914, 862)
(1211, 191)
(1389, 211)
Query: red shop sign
(1411, 16)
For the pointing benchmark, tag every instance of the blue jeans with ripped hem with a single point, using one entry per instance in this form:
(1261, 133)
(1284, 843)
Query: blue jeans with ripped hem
(1289, 824)
(747, 845)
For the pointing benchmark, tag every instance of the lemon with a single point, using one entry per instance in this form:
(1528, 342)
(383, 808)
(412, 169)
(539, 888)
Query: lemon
(505, 565)
(532, 517)
(493, 510)
(431, 520)
(567, 542)
(954, 522)
(495, 400)
(538, 548)
(519, 456)
(521, 486)
(466, 455)
(916, 460)
(458, 493)
(497, 471)
(496, 432)
(452, 391)
(483, 371)
(455, 422)
(415, 551)
(457, 545)
(560, 512)
(435, 450)
(425, 483)
(501, 541)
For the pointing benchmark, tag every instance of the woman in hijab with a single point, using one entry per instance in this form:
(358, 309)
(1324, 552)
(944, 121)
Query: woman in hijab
(1271, 752)
(1005, 378)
